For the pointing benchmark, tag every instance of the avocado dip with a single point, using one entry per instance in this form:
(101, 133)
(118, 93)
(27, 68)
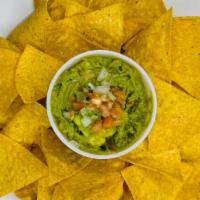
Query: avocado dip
(101, 105)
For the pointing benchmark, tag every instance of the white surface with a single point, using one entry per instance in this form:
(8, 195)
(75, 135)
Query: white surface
(146, 80)
(13, 12)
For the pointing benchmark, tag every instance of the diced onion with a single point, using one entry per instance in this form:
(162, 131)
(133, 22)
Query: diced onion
(102, 89)
(102, 74)
(74, 143)
(85, 90)
(92, 87)
(111, 96)
(66, 115)
(83, 111)
(86, 121)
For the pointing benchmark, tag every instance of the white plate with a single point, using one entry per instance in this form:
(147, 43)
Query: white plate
(12, 12)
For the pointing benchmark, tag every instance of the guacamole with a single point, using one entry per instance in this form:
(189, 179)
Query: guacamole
(101, 104)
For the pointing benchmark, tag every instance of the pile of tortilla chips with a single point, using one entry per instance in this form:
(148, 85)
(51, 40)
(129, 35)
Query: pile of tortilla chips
(36, 165)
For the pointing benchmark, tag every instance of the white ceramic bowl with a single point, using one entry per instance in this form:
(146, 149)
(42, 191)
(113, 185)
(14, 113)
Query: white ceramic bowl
(147, 82)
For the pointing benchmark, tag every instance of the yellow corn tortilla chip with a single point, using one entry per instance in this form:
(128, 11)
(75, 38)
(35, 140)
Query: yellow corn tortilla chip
(57, 8)
(138, 14)
(130, 29)
(176, 111)
(190, 189)
(26, 198)
(99, 4)
(34, 72)
(103, 28)
(5, 44)
(64, 43)
(32, 31)
(148, 184)
(74, 8)
(151, 47)
(186, 170)
(37, 3)
(126, 194)
(28, 191)
(43, 191)
(12, 110)
(168, 162)
(186, 54)
(35, 149)
(62, 162)
(190, 150)
(140, 150)
(97, 181)
(18, 166)
(26, 126)
(8, 92)
(144, 11)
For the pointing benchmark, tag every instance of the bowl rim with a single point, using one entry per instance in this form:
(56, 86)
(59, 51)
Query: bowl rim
(107, 53)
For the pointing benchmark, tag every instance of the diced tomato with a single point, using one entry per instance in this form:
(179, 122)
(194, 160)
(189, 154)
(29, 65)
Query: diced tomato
(104, 110)
(108, 122)
(97, 126)
(77, 105)
(116, 111)
(119, 95)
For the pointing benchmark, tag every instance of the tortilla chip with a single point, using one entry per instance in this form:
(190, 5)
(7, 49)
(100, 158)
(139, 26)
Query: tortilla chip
(186, 54)
(148, 184)
(34, 72)
(62, 162)
(140, 150)
(35, 149)
(176, 111)
(37, 3)
(186, 170)
(97, 181)
(57, 8)
(137, 14)
(28, 191)
(26, 198)
(144, 11)
(64, 43)
(130, 29)
(8, 92)
(32, 31)
(103, 28)
(168, 162)
(74, 8)
(190, 150)
(5, 44)
(12, 110)
(190, 189)
(18, 166)
(151, 47)
(99, 4)
(126, 194)
(26, 126)
(44, 192)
